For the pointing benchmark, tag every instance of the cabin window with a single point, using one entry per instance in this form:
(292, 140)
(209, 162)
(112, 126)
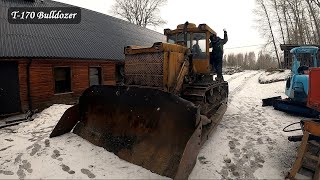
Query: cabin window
(95, 76)
(199, 47)
(62, 78)
(172, 39)
(180, 39)
(305, 59)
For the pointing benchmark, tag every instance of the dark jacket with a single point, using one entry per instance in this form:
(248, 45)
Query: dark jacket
(217, 44)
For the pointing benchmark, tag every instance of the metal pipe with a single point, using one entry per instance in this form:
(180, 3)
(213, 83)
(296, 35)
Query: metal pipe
(185, 33)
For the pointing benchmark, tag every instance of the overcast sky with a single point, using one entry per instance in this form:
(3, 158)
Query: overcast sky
(234, 15)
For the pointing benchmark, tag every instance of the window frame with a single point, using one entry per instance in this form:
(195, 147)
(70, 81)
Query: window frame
(175, 38)
(206, 52)
(54, 80)
(101, 74)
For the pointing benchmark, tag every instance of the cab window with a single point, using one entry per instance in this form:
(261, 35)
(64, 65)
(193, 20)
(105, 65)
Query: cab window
(172, 39)
(199, 42)
(180, 39)
(305, 59)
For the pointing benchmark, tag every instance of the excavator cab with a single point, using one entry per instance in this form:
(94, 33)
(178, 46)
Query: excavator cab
(304, 58)
(158, 118)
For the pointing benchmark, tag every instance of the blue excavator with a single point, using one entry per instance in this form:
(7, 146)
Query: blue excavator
(304, 58)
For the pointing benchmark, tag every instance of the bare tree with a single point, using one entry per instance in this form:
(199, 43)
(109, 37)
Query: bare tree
(245, 61)
(231, 59)
(306, 27)
(141, 12)
(312, 26)
(294, 36)
(284, 14)
(276, 7)
(225, 62)
(296, 7)
(317, 2)
(262, 5)
(287, 21)
(313, 14)
(240, 59)
(252, 60)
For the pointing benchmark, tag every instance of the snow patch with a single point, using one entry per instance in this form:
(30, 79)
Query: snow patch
(47, 119)
(29, 153)
(274, 76)
(232, 70)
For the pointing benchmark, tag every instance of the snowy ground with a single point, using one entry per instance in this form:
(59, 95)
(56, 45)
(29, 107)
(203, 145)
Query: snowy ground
(249, 143)
(274, 76)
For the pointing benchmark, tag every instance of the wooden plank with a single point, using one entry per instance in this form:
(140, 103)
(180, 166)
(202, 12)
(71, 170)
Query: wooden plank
(316, 175)
(302, 149)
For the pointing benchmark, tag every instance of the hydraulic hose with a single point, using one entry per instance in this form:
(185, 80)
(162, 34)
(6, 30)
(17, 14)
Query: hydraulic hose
(291, 130)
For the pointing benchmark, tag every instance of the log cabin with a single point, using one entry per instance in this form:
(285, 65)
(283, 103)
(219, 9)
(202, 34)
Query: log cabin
(44, 64)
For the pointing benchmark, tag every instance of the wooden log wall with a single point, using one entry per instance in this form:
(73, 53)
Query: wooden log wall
(42, 80)
(22, 69)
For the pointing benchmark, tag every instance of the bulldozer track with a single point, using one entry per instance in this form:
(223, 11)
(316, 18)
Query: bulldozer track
(240, 87)
(235, 77)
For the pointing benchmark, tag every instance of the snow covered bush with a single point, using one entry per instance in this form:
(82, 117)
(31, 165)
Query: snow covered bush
(232, 70)
(274, 76)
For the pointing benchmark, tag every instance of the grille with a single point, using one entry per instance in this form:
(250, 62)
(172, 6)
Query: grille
(144, 69)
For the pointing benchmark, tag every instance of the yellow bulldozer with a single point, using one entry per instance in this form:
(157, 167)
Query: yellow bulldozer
(165, 110)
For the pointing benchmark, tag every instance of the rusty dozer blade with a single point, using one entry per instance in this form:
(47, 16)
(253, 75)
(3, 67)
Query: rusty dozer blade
(147, 127)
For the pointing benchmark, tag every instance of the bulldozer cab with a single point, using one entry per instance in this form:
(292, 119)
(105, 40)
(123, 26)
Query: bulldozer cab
(197, 40)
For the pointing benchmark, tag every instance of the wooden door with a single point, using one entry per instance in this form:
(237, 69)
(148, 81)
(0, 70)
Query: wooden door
(9, 88)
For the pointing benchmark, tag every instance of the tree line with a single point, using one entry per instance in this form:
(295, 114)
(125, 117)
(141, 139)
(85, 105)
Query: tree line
(288, 22)
(249, 61)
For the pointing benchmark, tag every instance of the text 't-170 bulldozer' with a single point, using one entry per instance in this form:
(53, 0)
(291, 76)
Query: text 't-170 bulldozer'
(165, 110)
